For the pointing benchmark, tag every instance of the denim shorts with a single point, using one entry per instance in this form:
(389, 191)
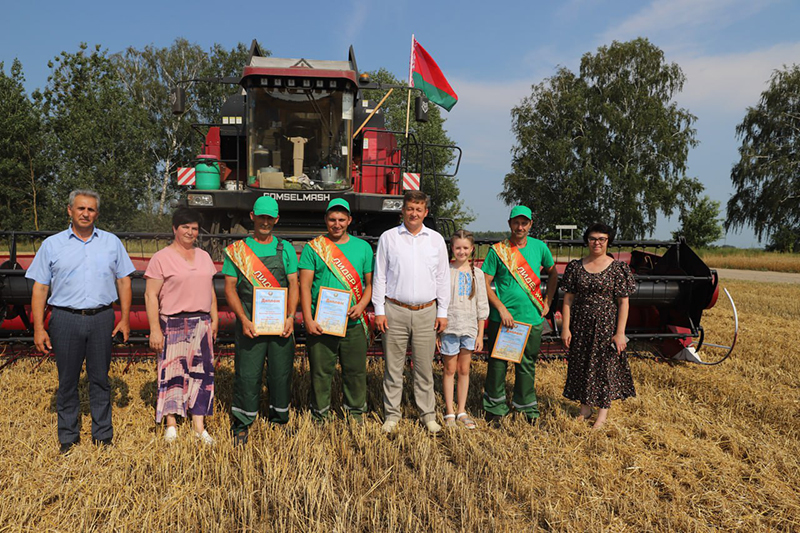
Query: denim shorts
(452, 344)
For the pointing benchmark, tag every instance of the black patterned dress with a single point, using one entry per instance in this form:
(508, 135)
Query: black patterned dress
(596, 373)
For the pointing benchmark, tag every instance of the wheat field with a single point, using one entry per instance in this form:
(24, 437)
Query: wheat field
(699, 449)
(745, 259)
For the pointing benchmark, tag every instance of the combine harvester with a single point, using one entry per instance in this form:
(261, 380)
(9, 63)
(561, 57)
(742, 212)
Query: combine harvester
(302, 132)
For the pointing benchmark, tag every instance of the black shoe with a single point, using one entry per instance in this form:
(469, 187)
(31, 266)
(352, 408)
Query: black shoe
(493, 419)
(102, 442)
(240, 438)
(67, 446)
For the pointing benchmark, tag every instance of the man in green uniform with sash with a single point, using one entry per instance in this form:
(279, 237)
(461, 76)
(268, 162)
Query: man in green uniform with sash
(344, 262)
(514, 266)
(261, 260)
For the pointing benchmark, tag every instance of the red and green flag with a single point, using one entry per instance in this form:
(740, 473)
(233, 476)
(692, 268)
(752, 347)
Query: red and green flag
(426, 75)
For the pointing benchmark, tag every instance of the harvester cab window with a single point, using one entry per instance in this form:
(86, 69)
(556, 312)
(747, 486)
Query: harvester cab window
(299, 138)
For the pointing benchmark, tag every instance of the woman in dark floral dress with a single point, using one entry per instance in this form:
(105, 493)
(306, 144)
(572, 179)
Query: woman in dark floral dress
(593, 329)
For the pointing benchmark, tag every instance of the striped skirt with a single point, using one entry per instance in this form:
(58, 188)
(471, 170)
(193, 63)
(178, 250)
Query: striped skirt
(186, 366)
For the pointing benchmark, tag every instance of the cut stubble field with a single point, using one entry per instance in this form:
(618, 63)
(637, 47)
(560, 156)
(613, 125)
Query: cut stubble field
(698, 449)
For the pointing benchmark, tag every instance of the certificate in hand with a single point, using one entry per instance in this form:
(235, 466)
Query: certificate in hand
(332, 308)
(510, 343)
(269, 310)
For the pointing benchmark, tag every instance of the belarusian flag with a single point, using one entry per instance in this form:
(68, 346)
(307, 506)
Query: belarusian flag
(425, 74)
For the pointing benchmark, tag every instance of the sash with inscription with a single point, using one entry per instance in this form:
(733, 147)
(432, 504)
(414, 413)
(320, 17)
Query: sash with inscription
(345, 272)
(521, 271)
(250, 265)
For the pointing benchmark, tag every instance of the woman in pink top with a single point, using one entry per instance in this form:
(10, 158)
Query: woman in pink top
(182, 310)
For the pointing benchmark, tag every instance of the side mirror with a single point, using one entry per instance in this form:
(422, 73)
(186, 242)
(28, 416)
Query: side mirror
(178, 100)
(421, 106)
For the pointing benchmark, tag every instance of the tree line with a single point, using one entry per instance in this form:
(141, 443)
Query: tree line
(104, 121)
(609, 143)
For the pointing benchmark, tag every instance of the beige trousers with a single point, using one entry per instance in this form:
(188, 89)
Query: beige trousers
(418, 326)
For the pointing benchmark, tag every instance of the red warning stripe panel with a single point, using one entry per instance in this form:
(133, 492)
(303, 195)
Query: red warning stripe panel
(186, 176)
(410, 181)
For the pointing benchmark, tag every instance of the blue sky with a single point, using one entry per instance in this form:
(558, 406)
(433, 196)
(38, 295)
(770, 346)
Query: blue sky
(491, 52)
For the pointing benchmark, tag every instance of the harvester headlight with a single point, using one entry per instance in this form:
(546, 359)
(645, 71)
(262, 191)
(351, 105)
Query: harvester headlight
(392, 205)
(200, 200)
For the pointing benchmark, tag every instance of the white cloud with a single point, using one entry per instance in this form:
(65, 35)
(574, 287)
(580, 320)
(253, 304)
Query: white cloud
(480, 96)
(356, 18)
(481, 121)
(731, 82)
(571, 9)
(665, 17)
(545, 59)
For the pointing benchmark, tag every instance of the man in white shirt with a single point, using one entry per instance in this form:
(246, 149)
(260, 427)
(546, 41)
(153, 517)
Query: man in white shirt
(411, 292)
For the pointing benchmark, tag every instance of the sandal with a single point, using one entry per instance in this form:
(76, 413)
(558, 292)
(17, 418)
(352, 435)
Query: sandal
(466, 420)
(450, 421)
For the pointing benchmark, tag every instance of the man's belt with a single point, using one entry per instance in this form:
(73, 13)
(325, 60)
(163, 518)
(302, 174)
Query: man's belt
(84, 312)
(412, 307)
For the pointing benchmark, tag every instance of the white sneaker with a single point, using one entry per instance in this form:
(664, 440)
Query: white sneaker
(433, 426)
(205, 438)
(389, 426)
(171, 434)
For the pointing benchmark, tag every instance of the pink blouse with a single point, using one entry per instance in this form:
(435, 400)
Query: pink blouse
(187, 287)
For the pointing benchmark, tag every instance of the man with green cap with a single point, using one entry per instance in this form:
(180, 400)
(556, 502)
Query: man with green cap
(261, 260)
(340, 261)
(515, 265)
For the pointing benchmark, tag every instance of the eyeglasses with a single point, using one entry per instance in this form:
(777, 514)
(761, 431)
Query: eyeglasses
(599, 240)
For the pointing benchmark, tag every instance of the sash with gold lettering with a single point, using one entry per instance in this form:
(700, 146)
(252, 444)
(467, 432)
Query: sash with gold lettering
(250, 265)
(521, 271)
(345, 272)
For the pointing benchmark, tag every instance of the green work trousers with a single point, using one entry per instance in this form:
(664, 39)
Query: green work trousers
(249, 368)
(351, 350)
(494, 390)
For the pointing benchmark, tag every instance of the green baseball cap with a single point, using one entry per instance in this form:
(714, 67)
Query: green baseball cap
(266, 205)
(338, 202)
(521, 210)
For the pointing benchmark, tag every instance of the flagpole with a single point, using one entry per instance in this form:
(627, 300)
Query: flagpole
(410, 68)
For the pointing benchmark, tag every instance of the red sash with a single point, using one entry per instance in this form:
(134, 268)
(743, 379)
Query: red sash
(345, 272)
(250, 265)
(519, 268)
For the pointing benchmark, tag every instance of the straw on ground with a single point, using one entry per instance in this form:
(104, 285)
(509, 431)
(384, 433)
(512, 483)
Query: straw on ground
(698, 449)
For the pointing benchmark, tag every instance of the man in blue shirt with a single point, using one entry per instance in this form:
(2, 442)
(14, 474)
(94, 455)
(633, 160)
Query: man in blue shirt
(84, 267)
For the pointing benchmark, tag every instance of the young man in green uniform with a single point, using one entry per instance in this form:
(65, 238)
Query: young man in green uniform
(275, 260)
(341, 261)
(515, 265)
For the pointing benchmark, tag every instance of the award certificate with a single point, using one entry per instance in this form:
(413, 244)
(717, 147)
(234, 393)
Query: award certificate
(269, 310)
(332, 308)
(510, 343)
